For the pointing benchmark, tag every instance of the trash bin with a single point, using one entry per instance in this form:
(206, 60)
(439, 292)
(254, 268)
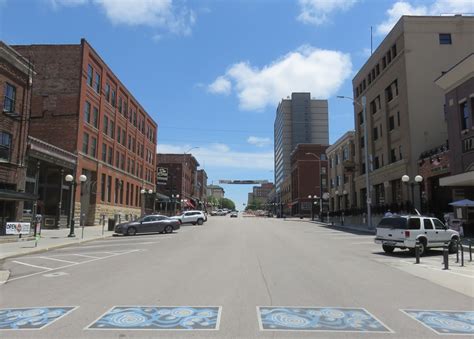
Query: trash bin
(111, 224)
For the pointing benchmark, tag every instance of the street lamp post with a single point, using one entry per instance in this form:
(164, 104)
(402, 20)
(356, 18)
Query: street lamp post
(70, 179)
(313, 199)
(320, 186)
(363, 104)
(175, 198)
(418, 180)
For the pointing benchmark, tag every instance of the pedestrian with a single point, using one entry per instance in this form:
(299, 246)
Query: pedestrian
(388, 214)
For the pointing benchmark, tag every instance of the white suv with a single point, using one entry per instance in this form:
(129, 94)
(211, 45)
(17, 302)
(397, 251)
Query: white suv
(191, 217)
(403, 232)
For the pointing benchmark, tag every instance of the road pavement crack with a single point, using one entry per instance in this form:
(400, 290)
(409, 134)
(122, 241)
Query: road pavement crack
(265, 281)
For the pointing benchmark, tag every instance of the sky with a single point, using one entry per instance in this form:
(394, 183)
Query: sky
(211, 73)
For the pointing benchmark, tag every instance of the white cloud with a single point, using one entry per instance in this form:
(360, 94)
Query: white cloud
(220, 86)
(222, 156)
(154, 13)
(308, 69)
(317, 12)
(437, 7)
(258, 141)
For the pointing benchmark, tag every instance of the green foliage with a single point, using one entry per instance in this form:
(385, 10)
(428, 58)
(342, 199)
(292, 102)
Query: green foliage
(227, 203)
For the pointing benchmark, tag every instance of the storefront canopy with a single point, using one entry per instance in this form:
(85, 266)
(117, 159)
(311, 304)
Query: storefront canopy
(463, 179)
(14, 195)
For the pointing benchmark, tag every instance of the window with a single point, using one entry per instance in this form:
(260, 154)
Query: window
(322, 157)
(124, 139)
(391, 123)
(87, 112)
(362, 168)
(119, 131)
(109, 188)
(120, 104)
(445, 39)
(323, 170)
(380, 129)
(106, 124)
(107, 91)
(95, 117)
(102, 187)
(90, 72)
(104, 152)
(97, 82)
(427, 224)
(117, 189)
(10, 97)
(122, 162)
(362, 142)
(361, 118)
(129, 142)
(85, 143)
(376, 134)
(345, 153)
(393, 156)
(112, 129)
(5, 145)
(394, 51)
(384, 63)
(121, 191)
(135, 118)
(398, 119)
(376, 162)
(377, 70)
(93, 147)
(113, 97)
(391, 91)
(438, 224)
(400, 152)
(111, 156)
(337, 159)
(464, 111)
(127, 194)
(414, 223)
(117, 159)
(389, 57)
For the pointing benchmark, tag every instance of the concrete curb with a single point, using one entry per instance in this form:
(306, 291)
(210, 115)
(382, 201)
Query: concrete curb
(362, 230)
(45, 249)
(4, 275)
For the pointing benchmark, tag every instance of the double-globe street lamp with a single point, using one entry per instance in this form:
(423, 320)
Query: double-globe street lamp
(320, 187)
(363, 104)
(418, 180)
(70, 179)
(144, 192)
(314, 201)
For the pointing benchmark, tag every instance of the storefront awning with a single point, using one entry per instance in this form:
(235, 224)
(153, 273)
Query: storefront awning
(18, 196)
(162, 197)
(463, 179)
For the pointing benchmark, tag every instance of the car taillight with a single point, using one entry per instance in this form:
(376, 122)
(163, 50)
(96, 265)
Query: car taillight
(407, 234)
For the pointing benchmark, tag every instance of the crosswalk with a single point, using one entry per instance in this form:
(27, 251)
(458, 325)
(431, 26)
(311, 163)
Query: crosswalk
(268, 318)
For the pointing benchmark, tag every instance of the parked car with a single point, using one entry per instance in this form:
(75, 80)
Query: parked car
(234, 214)
(220, 212)
(148, 224)
(191, 217)
(404, 231)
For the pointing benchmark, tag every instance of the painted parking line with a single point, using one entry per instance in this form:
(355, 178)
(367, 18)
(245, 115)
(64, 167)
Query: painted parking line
(175, 318)
(319, 319)
(47, 269)
(31, 265)
(444, 322)
(32, 318)
(85, 256)
(60, 260)
(439, 268)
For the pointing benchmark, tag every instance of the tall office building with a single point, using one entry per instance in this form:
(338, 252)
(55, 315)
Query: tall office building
(299, 120)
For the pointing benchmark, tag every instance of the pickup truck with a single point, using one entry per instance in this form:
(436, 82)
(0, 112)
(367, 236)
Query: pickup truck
(404, 231)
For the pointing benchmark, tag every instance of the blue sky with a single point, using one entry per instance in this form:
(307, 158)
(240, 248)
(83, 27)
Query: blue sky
(211, 73)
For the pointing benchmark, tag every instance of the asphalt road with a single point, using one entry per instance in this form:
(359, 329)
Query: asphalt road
(230, 267)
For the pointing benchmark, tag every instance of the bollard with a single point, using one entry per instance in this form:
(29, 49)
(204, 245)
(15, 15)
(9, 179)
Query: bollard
(457, 251)
(462, 255)
(446, 257)
(417, 252)
(470, 250)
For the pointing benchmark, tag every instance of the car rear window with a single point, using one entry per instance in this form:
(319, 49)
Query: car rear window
(393, 222)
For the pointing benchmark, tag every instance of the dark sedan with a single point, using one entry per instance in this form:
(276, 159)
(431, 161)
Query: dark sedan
(148, 224)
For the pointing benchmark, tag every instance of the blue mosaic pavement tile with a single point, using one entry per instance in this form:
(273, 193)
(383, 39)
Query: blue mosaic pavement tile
(319, 319)
(159, 318)
(32, 318)
(445, 322)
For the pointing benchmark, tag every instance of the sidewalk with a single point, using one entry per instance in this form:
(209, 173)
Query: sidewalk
(51, 239)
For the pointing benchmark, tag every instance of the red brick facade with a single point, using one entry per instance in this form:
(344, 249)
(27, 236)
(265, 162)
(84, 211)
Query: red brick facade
(15, 72)
(81, 106)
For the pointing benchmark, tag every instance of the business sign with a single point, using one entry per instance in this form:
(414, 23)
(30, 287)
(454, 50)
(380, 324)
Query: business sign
(243, 182)
(162, 176)
(18, 228)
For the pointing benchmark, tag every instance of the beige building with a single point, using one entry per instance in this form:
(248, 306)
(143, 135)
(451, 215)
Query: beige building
(405, 115)
(341, 173)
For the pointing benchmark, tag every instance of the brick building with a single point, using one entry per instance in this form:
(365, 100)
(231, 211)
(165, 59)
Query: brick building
(80, 106)
(308, 177)
(182, 178)
(15, 91)
(215, 191)
(202, 187)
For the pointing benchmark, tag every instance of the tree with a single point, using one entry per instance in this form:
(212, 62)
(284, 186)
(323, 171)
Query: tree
(227, 203)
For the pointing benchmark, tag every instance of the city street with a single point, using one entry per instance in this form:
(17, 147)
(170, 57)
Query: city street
(242, 277)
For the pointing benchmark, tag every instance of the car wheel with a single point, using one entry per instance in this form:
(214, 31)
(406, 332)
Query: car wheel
(131, 231)
(423, 248)
(169, 229)
(200, 222)
(388, 249)
(453, 246)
